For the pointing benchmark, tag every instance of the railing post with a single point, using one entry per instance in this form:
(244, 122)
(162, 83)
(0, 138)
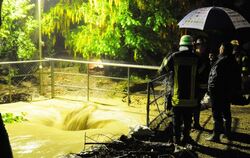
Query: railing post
(52, 73)
(148, 103)
(41, 77)
(88, 82)
(128, 86)
(9, 83)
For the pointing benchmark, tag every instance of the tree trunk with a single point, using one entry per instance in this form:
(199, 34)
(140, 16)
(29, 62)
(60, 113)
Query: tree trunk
(1, 1)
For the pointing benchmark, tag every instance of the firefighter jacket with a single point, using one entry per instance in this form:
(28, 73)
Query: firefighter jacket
(183, 65)
(245, 65)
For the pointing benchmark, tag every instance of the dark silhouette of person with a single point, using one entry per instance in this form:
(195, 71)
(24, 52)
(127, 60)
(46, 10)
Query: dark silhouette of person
(5, 148)
(203, 71)
(224, 80)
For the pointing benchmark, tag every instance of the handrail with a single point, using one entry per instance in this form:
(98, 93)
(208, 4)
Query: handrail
(21, 62)
(108, 64)
(83, 62)
(88, 74)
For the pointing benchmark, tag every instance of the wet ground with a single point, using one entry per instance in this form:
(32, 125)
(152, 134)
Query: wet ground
(238, 147)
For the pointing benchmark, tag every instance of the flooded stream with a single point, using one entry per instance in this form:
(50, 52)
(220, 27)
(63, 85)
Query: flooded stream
(55, 127)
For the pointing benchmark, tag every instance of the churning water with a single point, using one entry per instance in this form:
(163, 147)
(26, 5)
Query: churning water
(56, 128)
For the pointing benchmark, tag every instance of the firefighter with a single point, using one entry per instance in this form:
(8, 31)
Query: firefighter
(183, 65)
(241, 57)
(245, 65)
(237, 52)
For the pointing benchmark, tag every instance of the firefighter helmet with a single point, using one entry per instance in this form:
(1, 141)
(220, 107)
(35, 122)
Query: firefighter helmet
(186, 40)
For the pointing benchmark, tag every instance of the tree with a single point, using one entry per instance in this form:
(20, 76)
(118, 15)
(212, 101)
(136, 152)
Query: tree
(1, 2)
(132, 30)
(18, 25)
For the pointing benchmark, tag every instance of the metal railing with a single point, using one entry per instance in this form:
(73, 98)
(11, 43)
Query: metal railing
(89, 76)
(19, 80)
(59, 77)
(157, 116)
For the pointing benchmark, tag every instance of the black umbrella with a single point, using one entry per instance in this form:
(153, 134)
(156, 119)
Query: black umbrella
(214, 18)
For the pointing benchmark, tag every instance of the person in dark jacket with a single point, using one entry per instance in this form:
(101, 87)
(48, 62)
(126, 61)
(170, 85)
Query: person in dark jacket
(183, 65)
(203, 72)
(223, 80)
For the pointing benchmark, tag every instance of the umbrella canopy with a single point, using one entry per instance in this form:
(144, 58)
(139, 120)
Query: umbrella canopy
(214, 18)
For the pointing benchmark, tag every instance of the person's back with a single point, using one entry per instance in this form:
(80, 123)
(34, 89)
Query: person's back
(183, 66)
(185, 78)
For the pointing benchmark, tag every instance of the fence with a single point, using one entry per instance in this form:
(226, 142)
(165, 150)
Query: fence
(20, 80)
(157, 117)
(71, 79)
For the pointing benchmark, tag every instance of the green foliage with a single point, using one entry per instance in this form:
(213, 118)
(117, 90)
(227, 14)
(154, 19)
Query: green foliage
(134, 30)
(11, 118)
(17, 28)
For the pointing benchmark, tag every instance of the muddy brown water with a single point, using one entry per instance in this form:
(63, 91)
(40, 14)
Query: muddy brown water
(55, 127)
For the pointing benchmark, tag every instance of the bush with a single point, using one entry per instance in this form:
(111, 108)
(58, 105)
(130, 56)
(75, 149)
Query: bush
(11, 118)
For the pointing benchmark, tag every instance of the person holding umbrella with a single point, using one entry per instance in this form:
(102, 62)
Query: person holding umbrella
(183, 64)
(223, 81)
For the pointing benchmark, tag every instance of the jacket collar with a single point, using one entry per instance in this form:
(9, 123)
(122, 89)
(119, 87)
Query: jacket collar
(183, 48)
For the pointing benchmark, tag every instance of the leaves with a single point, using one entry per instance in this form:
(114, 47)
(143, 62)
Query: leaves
(116, 28)
(11, 118)
(17, 29)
